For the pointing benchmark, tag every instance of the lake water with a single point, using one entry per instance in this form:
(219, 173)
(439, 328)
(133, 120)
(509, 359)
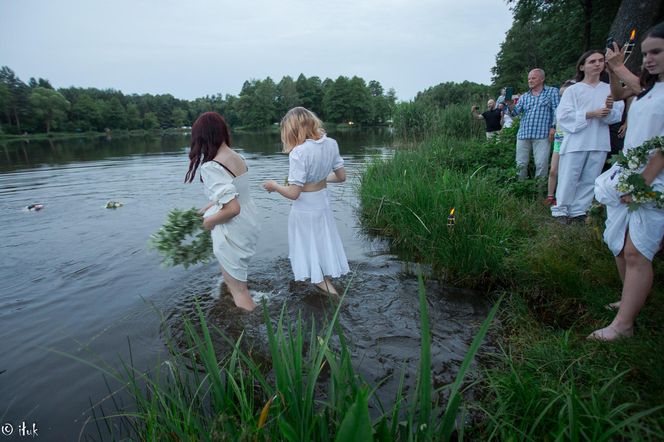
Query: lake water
(78, 283)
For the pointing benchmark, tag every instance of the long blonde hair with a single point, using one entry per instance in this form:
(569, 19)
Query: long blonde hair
(298, 125)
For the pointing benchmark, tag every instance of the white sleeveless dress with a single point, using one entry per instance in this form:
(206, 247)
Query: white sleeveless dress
(233, 242)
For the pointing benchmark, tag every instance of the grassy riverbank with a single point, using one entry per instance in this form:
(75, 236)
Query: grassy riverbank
(548, 382)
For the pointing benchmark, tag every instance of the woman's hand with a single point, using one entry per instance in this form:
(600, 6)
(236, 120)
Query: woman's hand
(626, 199)
(608, 103)
(615, 56)
(270, 186)
(208, 224)
(599, 113)
(622, 130)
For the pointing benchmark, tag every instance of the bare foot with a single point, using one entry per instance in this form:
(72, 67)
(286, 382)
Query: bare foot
(610, 333)
(327, 287)
(248, 305)
(613, 306)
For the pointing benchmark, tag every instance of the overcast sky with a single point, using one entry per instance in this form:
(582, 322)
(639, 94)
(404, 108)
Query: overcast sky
(193, 48)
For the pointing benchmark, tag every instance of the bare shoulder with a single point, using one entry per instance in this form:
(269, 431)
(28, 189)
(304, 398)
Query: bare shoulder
(233, 161)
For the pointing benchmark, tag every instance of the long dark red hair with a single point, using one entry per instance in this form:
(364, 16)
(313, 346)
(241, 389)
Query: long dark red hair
(208, 133)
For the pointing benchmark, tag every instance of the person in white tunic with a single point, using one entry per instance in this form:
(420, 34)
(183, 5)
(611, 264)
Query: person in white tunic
(635, 236)
(314, 245)
(584, 115)
(231, 214)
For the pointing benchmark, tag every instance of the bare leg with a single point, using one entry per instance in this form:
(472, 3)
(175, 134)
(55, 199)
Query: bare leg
(553, 175)
(621, 264)
(326, 286)
(239, 291)
(636, 287)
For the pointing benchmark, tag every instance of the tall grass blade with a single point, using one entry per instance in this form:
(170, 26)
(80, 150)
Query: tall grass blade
(447, 425)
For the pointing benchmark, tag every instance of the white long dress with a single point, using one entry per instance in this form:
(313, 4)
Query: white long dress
(585, 145)
(233, 242)
(645, 120)
(315, 249)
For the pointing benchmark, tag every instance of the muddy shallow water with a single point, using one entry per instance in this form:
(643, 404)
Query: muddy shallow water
(77, 282)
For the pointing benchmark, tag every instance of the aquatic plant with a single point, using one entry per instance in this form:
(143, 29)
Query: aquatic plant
(309, 391)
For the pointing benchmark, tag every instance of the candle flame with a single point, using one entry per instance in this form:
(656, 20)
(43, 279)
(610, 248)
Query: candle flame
(632, 35)
(452, 211)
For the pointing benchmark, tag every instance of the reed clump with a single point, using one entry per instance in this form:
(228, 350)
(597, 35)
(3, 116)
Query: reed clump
(309, 390)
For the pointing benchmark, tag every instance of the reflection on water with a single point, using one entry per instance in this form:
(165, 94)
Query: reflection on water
(77, 279)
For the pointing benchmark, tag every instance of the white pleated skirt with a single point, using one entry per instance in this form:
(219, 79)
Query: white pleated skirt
(314, 245)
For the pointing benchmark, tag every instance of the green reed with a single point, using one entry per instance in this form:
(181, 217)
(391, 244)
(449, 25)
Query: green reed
(309, 390)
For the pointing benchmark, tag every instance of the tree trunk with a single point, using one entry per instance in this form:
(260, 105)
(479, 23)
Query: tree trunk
(640, 15)
(587, 22)
(18, 122)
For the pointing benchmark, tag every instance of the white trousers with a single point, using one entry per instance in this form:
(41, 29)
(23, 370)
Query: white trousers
(541, 148)
(577, 172)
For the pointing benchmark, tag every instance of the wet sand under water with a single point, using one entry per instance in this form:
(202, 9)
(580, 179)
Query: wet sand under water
(379, 316)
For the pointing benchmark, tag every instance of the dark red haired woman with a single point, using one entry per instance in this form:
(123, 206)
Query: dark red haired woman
(231, 214)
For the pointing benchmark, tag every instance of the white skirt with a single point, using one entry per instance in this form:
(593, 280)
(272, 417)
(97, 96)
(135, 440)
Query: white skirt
(645, 225)
(314, 245)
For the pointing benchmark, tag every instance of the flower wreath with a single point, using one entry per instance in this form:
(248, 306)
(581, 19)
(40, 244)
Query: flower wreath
(174, 239)
(631, 181)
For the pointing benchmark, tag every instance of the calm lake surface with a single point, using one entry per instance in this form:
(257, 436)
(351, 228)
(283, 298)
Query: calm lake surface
(78, 283)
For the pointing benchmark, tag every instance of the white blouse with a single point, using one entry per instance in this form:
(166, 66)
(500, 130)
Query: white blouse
(586, 134)
(313, 160)
(645, 119)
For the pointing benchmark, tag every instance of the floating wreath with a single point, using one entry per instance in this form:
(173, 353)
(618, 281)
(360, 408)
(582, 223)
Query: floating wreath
(631, 181)
(182, 239)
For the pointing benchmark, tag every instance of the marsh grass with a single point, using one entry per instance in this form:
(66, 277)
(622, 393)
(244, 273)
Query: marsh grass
(309, 390)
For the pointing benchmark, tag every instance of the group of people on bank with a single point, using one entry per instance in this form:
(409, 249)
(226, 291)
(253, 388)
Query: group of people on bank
(576, 119)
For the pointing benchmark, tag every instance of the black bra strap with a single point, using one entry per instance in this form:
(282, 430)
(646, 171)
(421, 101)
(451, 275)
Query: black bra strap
(229, 171)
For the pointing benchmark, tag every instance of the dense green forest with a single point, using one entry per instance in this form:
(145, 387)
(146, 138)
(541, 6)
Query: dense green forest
(550, 34)
(38, 107)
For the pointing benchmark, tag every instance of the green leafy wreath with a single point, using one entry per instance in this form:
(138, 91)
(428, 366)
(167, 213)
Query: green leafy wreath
(182, 239)
(631, 181)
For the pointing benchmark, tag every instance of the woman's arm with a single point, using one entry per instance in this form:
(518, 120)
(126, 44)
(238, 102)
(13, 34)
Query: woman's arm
(228, 211)
(619, 74)
(204, 209)
(654, 167)
(292, 192)
(337, 176)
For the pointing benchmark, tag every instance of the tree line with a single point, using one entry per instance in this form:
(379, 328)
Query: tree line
(36, 106)
(552, 34)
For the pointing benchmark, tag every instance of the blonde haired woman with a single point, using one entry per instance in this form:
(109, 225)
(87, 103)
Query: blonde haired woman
(314, 246)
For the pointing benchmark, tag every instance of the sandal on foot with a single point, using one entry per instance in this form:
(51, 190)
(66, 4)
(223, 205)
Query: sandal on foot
(610, 333)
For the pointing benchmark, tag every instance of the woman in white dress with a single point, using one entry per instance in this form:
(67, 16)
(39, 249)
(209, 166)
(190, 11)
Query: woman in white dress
(634, 237)
(584, 114)
(314, 246)
(231, 214)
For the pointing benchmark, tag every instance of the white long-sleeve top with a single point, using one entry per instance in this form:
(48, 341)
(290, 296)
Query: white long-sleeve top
(581, 133)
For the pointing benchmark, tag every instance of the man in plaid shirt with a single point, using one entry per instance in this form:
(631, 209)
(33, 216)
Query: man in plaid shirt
(538, 124)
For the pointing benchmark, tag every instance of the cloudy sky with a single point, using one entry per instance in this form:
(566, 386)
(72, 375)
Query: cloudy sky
(202, 47)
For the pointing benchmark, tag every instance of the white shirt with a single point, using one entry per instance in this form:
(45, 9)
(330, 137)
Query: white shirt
(313, 160)
(645, 119)
(586, 134)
